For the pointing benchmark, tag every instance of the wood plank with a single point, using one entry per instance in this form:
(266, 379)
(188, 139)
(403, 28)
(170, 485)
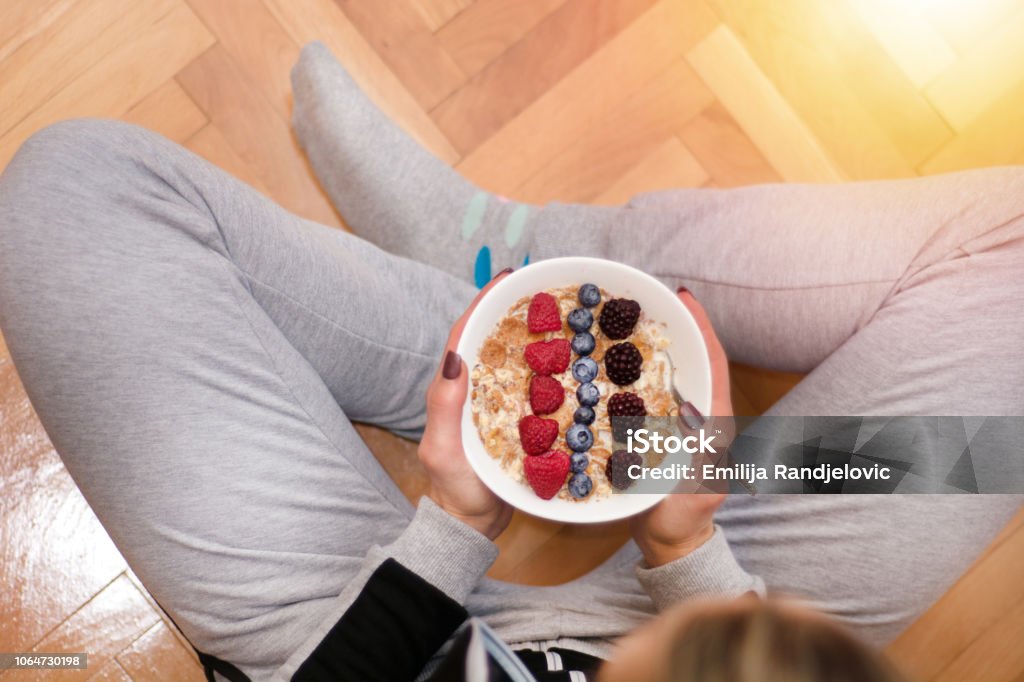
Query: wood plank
(111, 672)
(603, 152)
(68, 48)
(763, 114)
(913, 43)
(103, 627)
(993, 139)
(611, 76)
(437, 13)
(159, 655)
(210, 143)
(122, 77)
(570, 553)
(997, 656)
(741, 404)
(54, 555)
(763, 387)
(406, 44)
(907, 120)
(530, 67)
(963, 24)
(27, 458)
(520, 542)
(323, 20)
(725, 152)
(668, 166)
(487, 28)
(256, 132)
(823, 62)
(982, 75)
(256, 42)
(168, 110)
(966, 613)
(23, 20)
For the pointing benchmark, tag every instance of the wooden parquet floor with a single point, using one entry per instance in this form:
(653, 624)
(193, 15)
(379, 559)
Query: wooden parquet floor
(574, 100)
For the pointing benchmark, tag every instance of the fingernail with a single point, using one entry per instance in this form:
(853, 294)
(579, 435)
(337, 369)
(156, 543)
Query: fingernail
(691, 416)
(683, 290)
(452, 365)
(503, 272)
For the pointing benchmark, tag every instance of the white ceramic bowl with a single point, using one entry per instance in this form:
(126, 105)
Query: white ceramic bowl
(687, 350)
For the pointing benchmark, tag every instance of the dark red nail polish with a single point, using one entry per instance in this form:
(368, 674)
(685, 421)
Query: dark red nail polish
(452, 365)
(691, 416)
(503, 272)
(683, 290)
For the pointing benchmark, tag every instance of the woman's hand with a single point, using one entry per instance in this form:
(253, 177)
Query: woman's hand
(454, 485)
(682, 522)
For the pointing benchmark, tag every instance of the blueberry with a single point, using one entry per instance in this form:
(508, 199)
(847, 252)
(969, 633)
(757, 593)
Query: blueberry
(579, 438)
(589, 295)
(578, 462)
(580, 486)
(580, 319)
(588, 394)
(583, 343)
(584, 415)
(584, 370)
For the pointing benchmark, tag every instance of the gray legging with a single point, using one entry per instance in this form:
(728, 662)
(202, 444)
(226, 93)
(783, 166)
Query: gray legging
(196, 353)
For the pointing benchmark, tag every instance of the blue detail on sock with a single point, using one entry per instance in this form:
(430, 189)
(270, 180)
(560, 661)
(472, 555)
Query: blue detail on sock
(482, 267)
(526, 261)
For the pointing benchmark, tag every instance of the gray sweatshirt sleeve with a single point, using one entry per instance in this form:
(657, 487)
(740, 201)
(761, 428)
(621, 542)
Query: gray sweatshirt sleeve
(442, 550)
(435, 546)
(711, 569)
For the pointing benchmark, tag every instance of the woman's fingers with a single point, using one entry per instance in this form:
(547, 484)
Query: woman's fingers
(721, 400)
(444, 405)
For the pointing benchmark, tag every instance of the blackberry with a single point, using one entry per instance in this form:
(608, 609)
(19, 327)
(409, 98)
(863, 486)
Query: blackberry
(617, 468)
(626, 405)
(627, 411)
(618, 317)
(622, 363)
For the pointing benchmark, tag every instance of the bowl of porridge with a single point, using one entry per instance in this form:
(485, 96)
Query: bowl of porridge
(555, 351)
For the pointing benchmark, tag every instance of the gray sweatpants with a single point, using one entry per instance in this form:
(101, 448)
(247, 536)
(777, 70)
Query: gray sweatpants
(197, 355)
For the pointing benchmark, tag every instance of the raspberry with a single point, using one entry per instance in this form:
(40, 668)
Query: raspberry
(546, 473)
(546, 394)
(537, 434)
(617, 468)
(543, 314)
(622, 363)
(627, 411)
(618, 317)
(548, 357)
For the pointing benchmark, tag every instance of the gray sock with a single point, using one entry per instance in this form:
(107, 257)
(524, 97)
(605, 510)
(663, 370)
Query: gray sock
(396, 194)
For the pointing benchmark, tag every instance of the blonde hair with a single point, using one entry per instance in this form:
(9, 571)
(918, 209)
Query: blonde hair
(767, 641)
